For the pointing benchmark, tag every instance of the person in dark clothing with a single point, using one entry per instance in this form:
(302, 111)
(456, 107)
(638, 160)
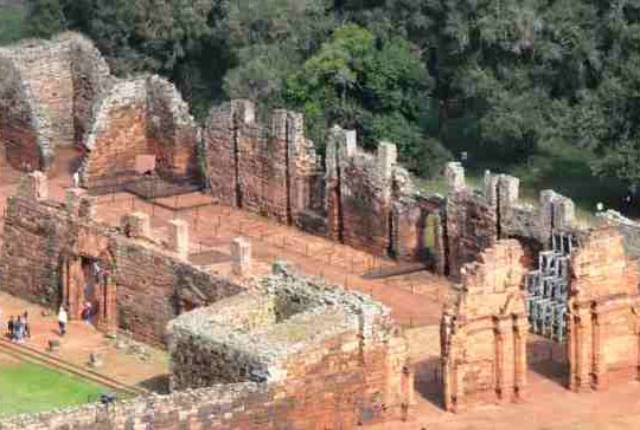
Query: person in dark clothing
(27, 327)
(10, 327)
(627, 202)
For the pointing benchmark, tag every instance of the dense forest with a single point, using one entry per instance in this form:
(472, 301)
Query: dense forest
(512, 77)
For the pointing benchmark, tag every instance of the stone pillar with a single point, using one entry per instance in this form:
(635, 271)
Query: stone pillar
(508, 190)
(241, 256)
(564, 213)
(72, 198)
(454, 173)
(546, 215)
(490, 184)
(136, 225)
(387, 158)
(34, 186)
(179, 237)
(244, 111)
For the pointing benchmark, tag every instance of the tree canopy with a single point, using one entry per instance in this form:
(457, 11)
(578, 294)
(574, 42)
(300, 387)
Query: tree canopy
(503, 78)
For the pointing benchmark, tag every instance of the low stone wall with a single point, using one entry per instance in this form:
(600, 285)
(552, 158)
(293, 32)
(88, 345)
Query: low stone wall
(44, 241)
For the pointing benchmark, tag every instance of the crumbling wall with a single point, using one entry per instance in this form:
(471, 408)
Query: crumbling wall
(484, 332)
(264, 169)
(51, 86)
(153, 284)
(140, 117)
(475, 219)
(312, 342)
(604, 329)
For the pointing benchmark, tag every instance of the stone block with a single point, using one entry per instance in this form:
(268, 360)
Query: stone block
(387, 158)
(179, 237)
(508, 190)
(244, 111)
(454, 173)
(564, 213)
(241, 256)
(136, 225)
(34, 186)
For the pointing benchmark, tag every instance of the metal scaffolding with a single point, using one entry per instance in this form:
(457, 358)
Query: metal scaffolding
(548, 289)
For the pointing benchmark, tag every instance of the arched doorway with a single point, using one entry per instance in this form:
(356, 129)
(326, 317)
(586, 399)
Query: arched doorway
(88, 280)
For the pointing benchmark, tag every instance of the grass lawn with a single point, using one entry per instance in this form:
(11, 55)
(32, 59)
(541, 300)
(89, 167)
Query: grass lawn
(11, 23)
(27, 387)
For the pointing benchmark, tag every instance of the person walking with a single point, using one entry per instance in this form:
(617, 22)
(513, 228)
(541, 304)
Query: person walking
(10, 327)
(62, 321)
(27, 327)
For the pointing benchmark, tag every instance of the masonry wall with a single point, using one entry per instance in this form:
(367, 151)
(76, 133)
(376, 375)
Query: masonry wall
(140, 117)
(264, 169)
(603, 320)
(51, 87)
(484, 332)
(152, 285)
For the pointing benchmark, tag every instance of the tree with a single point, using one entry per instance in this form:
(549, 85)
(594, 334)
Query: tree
(379, 87)
(45, 18)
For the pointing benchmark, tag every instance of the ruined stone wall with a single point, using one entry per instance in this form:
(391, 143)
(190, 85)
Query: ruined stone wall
(51, 86)
(264, 169)
(329, 350)
(484, 332)
(604, 328)
(475, 219)
(152, 284)
(140, 117)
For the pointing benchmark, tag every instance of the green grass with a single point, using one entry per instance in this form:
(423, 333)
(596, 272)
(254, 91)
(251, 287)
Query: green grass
(11, 24)
(27, 387)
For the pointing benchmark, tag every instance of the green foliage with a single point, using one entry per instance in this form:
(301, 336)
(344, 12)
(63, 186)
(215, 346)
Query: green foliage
(45, 18)
(11, 24)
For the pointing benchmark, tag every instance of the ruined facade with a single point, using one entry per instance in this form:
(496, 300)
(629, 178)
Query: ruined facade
(484, 332)
(47, 90)
(603, 315)
(60, 93)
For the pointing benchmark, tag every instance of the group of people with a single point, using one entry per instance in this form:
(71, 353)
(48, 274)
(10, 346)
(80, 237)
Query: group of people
(18, 329)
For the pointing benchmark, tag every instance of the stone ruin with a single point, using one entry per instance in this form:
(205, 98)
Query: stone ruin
(144, 281)
(60, 93)
(290, 352)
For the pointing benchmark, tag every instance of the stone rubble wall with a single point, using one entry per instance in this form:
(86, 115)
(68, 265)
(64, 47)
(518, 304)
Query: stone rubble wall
(58, 79)
(137, 117)
(476, 219)
(484, 331)
(629, 229)
(153, 285)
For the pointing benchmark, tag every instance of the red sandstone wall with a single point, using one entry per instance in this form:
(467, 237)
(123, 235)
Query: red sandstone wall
(484, 335)
(150, 284)
(471, 227)
(604, 325)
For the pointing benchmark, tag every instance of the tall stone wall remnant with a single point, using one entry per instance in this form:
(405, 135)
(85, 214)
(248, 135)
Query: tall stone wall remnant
(604, 312)
(475, 219)
(484, 332)
(47, 90)
(142, 117)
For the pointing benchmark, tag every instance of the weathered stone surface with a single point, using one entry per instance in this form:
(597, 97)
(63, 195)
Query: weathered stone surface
(47, 89)
(484, 332)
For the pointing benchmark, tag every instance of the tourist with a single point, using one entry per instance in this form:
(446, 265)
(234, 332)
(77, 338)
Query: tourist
(18, 330)
(27, 327)
(62, 320)
(10, 327)
(86, 313)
